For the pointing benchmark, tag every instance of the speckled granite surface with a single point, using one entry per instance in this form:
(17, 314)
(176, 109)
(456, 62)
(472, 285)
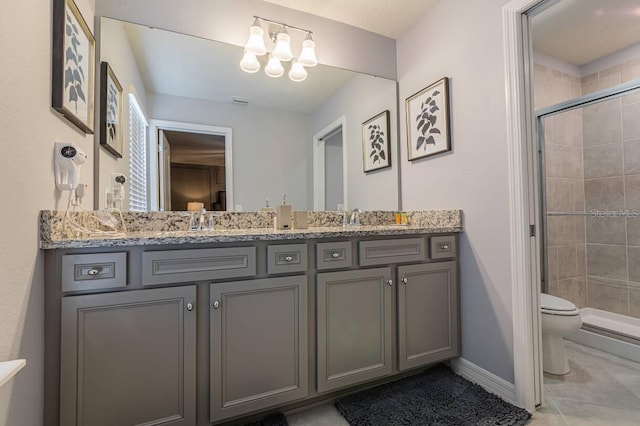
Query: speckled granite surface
(157, 228)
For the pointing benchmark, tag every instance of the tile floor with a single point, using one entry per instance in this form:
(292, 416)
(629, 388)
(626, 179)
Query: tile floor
(601, 389)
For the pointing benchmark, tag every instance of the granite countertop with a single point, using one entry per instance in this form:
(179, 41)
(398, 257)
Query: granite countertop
(144, 229)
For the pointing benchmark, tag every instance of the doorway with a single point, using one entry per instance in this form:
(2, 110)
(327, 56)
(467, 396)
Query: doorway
(330, 167)
(190, 163)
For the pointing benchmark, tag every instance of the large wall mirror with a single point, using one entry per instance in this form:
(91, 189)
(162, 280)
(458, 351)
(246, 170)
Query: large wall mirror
(233, 140)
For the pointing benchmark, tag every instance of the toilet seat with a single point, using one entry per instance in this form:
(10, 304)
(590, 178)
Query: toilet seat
(553, 305)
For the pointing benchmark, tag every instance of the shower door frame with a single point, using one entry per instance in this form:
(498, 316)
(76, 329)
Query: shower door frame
(609, 93)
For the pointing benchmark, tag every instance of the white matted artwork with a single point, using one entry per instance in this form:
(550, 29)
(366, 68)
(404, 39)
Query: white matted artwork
(428, 130)
(375, 142)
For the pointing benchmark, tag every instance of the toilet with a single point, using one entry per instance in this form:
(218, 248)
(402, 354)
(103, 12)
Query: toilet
(559, 318)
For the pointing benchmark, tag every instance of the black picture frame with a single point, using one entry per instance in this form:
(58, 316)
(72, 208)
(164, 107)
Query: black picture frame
(428, 121)
(111, 95)
(73, 56)
(376, 152)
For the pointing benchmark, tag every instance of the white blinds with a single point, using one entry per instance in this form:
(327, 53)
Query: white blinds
(138, 157)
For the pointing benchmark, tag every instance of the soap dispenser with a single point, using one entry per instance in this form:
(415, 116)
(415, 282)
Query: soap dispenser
(283, 214)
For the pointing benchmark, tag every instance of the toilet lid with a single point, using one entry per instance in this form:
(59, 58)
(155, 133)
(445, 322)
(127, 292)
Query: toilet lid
(553, 303)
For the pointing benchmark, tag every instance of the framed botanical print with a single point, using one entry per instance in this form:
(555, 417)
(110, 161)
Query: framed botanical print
(375, 142)
(110, 111)
(428, 128)
(73, 65)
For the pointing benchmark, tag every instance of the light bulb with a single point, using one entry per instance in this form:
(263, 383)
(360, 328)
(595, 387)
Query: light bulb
(249, 63)
(297, 72)
(274, 67)
(255, 44)
(308, 53)
(282, 51)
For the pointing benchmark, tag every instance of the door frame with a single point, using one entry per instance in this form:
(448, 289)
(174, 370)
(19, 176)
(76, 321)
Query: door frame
(155, 125)
(319, 163)
(523, 204)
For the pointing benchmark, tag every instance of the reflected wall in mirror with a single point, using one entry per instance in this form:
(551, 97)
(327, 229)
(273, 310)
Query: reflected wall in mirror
(185, 79)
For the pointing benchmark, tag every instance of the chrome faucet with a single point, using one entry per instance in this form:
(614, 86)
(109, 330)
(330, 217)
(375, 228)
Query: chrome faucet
(354, 219)
(200, 224)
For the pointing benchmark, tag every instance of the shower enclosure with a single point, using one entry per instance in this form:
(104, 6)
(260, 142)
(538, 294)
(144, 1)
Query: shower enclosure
(589, 143)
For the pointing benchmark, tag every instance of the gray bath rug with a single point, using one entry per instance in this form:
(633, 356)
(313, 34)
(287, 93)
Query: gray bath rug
(436, 397)
(277, 419)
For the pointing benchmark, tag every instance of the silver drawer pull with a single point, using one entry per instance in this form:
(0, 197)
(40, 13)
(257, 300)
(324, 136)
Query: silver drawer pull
(390, 282)
(94, 271)
(216, 304)
(444, 246)
(335, 255)
(189, 306)
(288, 259)
(404, 280)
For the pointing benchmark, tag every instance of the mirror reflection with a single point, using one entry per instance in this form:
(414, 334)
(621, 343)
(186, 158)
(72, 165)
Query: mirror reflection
(232, 140)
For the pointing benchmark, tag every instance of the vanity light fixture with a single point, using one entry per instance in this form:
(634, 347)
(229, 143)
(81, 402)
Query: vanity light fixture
(255, 47)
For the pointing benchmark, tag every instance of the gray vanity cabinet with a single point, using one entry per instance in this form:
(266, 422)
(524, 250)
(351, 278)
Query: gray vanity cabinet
(258, 344)
(428, 329)
(354, 327)
(128, 358)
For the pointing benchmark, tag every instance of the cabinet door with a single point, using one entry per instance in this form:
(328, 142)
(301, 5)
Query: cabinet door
(427, 314)
(128, 358)
(258, 344)
(354, 327)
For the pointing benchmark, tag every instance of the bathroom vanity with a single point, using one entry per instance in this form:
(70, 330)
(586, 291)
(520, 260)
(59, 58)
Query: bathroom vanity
(185, 329)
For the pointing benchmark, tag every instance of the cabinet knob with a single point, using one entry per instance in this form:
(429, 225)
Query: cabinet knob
(444, 246)
(94, 271)
(335, 255)
(189, 306)
(216, 304)
(288, 259)
(390, 282)
(404, 280)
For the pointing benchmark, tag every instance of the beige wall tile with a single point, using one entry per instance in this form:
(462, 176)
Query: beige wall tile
(574, 290)
(560, 195)
(634, 299)
(631, 98)
(603, 161)
(604, 194)
(552, 231)
(601, 83)
(567, 262)
(580, 226)
(566, 230)
(578, 195)
(633, 229)
(607, 261)
(632, 191)
(634, 263)
(632, 157)
(552, 264)
(581, 260)
(608, 295)
(631, 121)
(602, 128)
(629, 73)
(606, 230)
(601, 106)
(552, 288)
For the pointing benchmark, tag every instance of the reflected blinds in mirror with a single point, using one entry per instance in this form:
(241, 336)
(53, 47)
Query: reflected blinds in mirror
(138, 157)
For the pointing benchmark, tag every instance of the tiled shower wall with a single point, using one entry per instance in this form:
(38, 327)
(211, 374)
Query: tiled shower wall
(611, 142)
(593, 163)
(564, 185)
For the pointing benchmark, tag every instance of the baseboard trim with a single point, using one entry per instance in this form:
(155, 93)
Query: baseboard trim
(489, 381)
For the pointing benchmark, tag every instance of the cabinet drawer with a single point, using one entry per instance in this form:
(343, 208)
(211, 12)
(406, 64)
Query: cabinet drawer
(94, 271)
(286, 258)
(382, 252)
(334, 255)
(443, 247)
(174, 266)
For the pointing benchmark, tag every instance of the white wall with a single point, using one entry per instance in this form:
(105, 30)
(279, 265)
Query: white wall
(358, 100)
(271, 148)
(29, 129)
(333, 176)
(462, 39)
(337, 44)
(116, 50)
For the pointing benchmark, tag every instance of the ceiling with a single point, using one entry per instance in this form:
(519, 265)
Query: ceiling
(581, 31)
(389, 18)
